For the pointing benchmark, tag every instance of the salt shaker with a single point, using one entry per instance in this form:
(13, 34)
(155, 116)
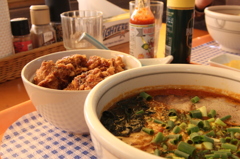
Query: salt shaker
(41, 31)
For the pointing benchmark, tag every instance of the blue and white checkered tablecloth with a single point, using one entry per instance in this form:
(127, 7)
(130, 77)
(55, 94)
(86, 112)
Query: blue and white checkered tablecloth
(202, 53)
(31, 137)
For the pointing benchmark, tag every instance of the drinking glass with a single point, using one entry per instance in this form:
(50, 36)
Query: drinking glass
(75, 23)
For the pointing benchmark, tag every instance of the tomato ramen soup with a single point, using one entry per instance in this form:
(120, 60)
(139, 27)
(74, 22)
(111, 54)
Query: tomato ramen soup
(177, 123)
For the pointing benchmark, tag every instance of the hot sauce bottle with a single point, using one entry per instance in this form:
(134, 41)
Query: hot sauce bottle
(142, 30)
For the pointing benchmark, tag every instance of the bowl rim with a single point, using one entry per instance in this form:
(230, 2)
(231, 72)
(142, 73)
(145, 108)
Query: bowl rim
(25, 80)
(211, 11)
(94, 123)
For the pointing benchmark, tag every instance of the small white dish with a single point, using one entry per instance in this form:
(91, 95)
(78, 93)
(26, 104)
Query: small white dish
(220, 60)
(156, 61)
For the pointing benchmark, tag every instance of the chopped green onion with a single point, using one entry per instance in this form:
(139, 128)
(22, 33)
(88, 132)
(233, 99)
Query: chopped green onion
(220, 154)
(164, 146)
(220, 122)
(234, 157)
(226, 117)
(203, 110)
(170, 124)
(189, 141)
(222, 140)
(176, 136)
(192, 129)
(229, 146)
(206, 125)
(211, 133)
(196, 114)
(212, 113)
(158, 138)
(173, 141)
(158, 121)
(197, 122)
(227, 151)
(140, 112)
(181, 154)
(157, 152)
(173, 118)
(146, 96)
(172, 112)
(195, 99)
(233, 129)
(235, 142)
(148, 131)
(209, 156)
(195, 137)
(206, 139)
(186, 148)
(228, 139)
(211, 119)
(176, 129)
(237, 135)
(198, 146)
(183, 125)
(208, 145)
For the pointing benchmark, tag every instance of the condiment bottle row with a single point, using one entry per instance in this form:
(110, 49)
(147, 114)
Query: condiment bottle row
(45, 26)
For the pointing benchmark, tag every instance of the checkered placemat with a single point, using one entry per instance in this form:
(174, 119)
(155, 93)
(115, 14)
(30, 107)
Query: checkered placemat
(31, 137)
(202, 53)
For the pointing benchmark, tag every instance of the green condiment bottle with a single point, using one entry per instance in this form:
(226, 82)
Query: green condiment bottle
(179, 29)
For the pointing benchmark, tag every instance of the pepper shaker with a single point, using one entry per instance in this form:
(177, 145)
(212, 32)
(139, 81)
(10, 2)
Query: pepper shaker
(42, 32)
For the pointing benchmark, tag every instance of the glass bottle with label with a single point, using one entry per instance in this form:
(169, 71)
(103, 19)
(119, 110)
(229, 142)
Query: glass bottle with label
(42, 32)
(21, 35)
(141, 30)
(56, 7)
(179, 30)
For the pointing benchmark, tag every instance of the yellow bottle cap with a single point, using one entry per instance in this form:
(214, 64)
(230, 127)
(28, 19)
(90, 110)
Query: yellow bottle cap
(181, 3)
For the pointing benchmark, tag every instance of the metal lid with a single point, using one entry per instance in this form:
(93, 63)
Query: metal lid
(20, 26)
(40, 14)
(181, 3)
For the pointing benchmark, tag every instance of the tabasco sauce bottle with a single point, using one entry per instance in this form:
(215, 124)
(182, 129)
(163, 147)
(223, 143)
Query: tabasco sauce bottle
(142, 30)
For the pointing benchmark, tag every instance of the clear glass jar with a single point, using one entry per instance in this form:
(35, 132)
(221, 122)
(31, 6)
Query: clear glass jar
(42, 32)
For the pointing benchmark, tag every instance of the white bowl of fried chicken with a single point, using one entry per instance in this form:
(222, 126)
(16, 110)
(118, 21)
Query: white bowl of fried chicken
(58, 83)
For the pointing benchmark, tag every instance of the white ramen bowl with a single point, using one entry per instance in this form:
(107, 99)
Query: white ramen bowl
(223, 23)
(107, 146)
(64, 108)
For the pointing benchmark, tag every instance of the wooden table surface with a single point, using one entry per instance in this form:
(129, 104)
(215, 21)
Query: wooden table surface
(13, 92)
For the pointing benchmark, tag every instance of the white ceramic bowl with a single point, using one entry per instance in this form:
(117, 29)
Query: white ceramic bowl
(223, 25)
(107, 146)
(62, 108)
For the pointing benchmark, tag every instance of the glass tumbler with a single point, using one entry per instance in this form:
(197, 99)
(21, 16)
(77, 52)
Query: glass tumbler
(74, 23)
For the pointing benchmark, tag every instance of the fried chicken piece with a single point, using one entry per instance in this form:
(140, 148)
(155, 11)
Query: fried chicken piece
(99, 69)
(86, 80)
(54, 76)
(79, 62)
(87, 73)
(58, 75)
(103, 64)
